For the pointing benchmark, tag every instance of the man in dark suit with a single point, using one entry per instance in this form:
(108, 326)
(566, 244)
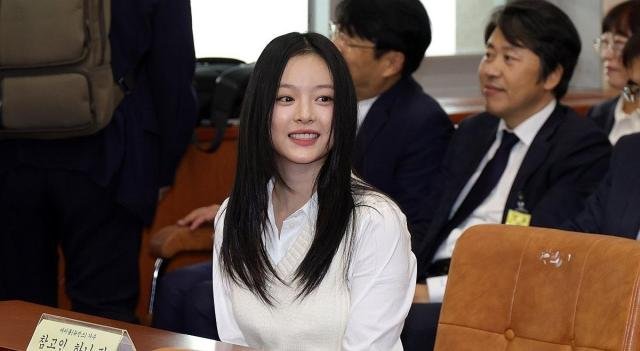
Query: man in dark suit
(403, 132)
(92, 195)
(613, 208)
(528, 159)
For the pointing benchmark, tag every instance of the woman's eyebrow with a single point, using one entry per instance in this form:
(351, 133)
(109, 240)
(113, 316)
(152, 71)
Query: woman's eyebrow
(319, 86)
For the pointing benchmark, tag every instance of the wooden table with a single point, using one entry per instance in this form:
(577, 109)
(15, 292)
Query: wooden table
(18, 320)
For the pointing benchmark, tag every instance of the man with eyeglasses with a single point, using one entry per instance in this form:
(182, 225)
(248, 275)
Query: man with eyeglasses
(613, 208)
(403, 133)
(618, 116)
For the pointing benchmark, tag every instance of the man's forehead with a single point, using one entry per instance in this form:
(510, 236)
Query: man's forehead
(500, 42)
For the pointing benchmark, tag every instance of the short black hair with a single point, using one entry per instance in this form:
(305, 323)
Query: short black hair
(399, 25)
(631, 51)
(620, 18)
(544, 29)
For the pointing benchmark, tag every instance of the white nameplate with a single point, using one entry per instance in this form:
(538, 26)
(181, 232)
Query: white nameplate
(55, 333)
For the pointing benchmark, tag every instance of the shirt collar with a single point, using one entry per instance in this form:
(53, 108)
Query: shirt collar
(363, 108)
(527, 130)
(309, 209)
(619, 114)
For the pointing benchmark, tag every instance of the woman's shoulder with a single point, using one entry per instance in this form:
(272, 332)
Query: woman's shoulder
(372, 205)
(222, 210)
(368, 199)
(372, 197)
(218, 222)
(380, 225)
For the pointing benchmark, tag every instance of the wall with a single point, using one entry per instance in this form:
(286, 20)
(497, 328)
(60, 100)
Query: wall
(456, 76)
(453, 76)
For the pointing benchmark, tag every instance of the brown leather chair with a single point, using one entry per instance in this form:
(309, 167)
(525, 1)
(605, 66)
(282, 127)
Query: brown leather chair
(523, 288)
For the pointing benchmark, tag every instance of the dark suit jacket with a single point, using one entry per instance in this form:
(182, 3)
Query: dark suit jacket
(139, 150)
(565, 162)
(615, 207)
(400, 146)
(603, 114)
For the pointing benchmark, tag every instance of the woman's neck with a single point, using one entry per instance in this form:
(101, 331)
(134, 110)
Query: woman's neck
(628, 106)
(291, 193)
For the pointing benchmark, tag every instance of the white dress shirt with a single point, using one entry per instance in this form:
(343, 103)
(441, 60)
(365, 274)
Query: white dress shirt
(623, 123)
(363, 108)
(492, 208)
(380, 278)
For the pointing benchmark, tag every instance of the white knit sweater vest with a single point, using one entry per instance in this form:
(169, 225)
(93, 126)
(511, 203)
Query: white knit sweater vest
(316, 322)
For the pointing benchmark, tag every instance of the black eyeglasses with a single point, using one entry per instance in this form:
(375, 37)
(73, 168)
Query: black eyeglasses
(631, 91)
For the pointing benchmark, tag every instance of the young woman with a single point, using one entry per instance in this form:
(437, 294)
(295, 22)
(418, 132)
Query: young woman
(306, 256)
(617, 116)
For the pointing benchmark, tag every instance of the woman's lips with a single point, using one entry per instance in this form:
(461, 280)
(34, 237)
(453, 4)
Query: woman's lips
(304, 138)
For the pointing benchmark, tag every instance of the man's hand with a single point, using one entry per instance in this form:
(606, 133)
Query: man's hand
(199, 216)
(422, 294)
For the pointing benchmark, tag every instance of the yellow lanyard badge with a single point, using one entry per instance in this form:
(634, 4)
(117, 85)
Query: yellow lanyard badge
(520, 216)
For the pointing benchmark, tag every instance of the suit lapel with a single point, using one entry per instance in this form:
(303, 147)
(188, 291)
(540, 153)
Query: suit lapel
(472, 151)
(535, 156)
(476, 150)
(377, 117)
(468, 150)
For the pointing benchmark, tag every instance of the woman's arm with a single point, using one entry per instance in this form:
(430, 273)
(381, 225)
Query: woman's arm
(228, 329)
(381, 278)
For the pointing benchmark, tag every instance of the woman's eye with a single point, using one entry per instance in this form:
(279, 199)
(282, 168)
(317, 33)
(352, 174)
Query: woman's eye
(284, 99)
(325, 99)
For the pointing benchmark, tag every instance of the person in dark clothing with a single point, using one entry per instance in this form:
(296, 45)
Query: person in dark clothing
(93, 195)
(403, 133)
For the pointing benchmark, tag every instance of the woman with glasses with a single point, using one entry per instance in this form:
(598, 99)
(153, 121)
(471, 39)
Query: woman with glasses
(620, 115)
(613, 208)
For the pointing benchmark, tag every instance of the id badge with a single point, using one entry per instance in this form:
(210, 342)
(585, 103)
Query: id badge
(515, 217)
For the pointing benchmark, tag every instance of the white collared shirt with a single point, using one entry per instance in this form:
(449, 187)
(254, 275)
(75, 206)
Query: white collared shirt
(381, 274)
(623, 123)
(363, 108)
(492, 208)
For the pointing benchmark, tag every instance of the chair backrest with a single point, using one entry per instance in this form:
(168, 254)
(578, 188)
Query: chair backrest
(207, 71)
(522, 288)
(227, 99)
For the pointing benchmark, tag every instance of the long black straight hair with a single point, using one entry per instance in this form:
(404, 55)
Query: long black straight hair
(243, 254)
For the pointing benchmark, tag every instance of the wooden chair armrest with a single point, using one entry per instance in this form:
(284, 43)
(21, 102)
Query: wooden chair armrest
(173, 239)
